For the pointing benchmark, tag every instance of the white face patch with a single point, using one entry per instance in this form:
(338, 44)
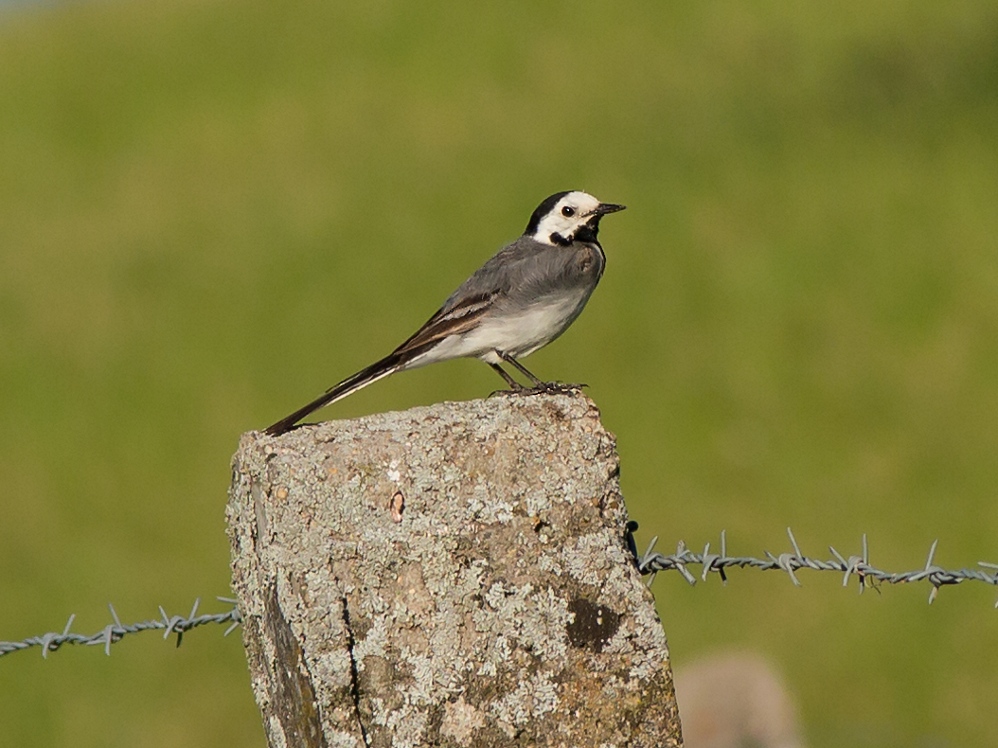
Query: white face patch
(568, 214)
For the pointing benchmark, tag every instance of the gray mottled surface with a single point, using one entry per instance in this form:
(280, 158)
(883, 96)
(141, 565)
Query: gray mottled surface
(455, 575)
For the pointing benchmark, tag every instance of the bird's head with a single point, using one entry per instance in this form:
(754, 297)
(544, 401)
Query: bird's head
(567, 217)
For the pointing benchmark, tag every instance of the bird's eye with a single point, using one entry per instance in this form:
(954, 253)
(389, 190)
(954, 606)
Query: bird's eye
(568, 211)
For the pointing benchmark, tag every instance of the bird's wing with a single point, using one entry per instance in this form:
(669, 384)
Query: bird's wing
(450, 319)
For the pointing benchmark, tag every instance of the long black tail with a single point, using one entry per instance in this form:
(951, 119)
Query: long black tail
(378, 370)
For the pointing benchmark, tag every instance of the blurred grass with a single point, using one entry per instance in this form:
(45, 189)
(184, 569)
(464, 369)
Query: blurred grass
(209, 211)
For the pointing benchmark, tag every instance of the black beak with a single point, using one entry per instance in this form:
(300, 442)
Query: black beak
(605, 208)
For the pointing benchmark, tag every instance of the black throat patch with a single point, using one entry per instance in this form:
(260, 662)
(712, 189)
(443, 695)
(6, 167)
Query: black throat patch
(587, 232)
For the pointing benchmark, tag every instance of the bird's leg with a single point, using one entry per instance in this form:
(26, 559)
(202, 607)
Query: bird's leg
(522, 369)
(514, 386)
(539, 386)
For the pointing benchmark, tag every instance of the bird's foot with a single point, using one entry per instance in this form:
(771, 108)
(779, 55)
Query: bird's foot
(553, 388)
(543, 388)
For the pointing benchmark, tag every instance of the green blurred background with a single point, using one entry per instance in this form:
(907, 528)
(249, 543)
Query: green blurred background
(210, 211)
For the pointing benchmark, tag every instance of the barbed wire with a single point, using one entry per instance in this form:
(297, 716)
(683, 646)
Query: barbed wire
(653, 562)
(649, 564)
(116, 631)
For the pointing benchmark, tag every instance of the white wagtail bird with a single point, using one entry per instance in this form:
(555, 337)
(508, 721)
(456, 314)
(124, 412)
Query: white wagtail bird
(520, 300)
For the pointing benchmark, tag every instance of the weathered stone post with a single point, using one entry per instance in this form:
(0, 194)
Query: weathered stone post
(454, 575)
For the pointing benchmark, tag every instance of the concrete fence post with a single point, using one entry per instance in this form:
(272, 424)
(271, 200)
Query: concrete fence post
(454, 575)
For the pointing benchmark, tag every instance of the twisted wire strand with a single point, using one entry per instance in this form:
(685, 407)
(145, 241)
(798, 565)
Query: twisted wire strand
(116, 630)
(652, 562)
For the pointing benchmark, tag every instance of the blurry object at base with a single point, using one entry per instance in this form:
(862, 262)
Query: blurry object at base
(735, 700)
